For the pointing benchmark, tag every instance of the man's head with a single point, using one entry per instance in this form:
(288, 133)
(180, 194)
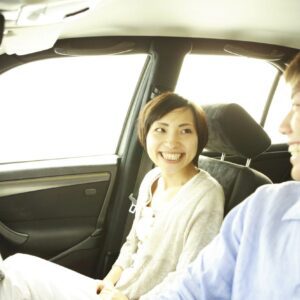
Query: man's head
(291, 123)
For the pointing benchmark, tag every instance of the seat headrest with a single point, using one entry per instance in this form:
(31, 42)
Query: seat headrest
(233, 131)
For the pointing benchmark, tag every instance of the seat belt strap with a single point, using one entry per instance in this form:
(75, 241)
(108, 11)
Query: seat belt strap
(145, 166)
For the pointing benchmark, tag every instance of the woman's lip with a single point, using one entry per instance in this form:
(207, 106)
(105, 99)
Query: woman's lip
(171, 156)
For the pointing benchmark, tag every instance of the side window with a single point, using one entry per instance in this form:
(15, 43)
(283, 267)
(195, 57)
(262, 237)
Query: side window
(207, 79)
(66, 107)
(281, 105)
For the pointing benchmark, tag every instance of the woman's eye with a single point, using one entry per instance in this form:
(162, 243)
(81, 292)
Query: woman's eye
(159, 130)
(186, 131)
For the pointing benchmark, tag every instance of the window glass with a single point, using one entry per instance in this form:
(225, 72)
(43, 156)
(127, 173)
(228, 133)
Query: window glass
(281, 105)
(207, 79)
(66, 107)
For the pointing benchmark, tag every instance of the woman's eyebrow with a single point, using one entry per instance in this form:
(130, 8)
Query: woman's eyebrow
(186, 124)
(162, 123)
(180, 125)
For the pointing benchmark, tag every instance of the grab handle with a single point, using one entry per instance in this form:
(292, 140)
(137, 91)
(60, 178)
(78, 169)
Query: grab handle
(16, 238)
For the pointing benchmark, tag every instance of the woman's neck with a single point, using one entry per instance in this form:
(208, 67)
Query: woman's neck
(167, 186)
(169, 180)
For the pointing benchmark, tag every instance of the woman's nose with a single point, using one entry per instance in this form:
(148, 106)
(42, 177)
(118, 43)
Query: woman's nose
(172, 140)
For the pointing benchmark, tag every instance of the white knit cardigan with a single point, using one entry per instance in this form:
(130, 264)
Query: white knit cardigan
(179, 232)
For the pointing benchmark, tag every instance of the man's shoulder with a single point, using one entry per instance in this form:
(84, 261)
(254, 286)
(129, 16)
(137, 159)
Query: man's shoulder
(273, 198)
(292, 188)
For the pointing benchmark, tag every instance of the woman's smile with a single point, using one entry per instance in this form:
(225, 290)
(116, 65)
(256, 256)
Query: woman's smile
(171, 156)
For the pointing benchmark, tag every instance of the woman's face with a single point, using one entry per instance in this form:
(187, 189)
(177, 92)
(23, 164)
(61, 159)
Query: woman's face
(291, 127)
(172, 141)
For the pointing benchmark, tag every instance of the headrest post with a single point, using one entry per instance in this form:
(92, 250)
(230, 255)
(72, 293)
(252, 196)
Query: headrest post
(248, 162)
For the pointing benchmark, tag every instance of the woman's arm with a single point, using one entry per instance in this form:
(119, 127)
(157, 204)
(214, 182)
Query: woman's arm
(203, 226)
(110, 279)
(211, 275)
(130, 246)
(114, 275)
(125, 257)
(122, 262)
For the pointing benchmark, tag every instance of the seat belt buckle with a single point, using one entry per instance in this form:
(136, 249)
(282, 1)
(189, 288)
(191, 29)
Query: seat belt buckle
(132, 207)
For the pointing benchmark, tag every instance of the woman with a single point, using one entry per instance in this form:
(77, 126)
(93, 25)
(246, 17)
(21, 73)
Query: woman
(179, 210)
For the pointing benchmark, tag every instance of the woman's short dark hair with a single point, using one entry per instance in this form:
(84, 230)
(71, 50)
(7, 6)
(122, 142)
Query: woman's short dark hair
(162, 105)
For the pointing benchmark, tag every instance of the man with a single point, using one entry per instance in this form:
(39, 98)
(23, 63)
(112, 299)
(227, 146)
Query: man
(257, 252)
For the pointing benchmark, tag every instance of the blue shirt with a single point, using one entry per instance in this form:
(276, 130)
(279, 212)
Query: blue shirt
(256, 254)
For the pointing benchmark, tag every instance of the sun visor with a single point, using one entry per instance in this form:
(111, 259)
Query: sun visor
(31, 25)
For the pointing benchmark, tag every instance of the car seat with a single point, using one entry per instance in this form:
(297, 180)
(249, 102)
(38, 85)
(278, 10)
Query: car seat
(232, 131)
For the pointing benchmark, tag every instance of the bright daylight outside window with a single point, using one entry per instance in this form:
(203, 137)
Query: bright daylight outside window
(281, 104)
(66, 107)
(208, 79)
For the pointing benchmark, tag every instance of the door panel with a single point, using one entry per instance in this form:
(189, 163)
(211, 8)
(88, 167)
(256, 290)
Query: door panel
(58, 215)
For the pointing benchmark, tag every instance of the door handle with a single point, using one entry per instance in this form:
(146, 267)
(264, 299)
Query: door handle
(16, 238)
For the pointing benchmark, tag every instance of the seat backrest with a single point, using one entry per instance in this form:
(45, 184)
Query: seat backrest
(232, 131)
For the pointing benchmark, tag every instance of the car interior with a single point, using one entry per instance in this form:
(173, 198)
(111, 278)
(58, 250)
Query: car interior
(228, 125)
(74, 75)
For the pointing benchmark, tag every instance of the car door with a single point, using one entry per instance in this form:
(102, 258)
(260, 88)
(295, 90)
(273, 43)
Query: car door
(56, 211)
(60, 160)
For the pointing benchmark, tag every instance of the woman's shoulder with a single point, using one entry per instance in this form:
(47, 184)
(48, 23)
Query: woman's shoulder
(206, 188)
(206, 180)
(152, 175)
(147, 182)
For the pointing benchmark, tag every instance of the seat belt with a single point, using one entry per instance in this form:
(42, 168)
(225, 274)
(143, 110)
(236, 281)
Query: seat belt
(145, 166)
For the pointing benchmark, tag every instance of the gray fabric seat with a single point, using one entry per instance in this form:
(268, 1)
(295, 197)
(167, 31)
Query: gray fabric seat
(232, 131)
